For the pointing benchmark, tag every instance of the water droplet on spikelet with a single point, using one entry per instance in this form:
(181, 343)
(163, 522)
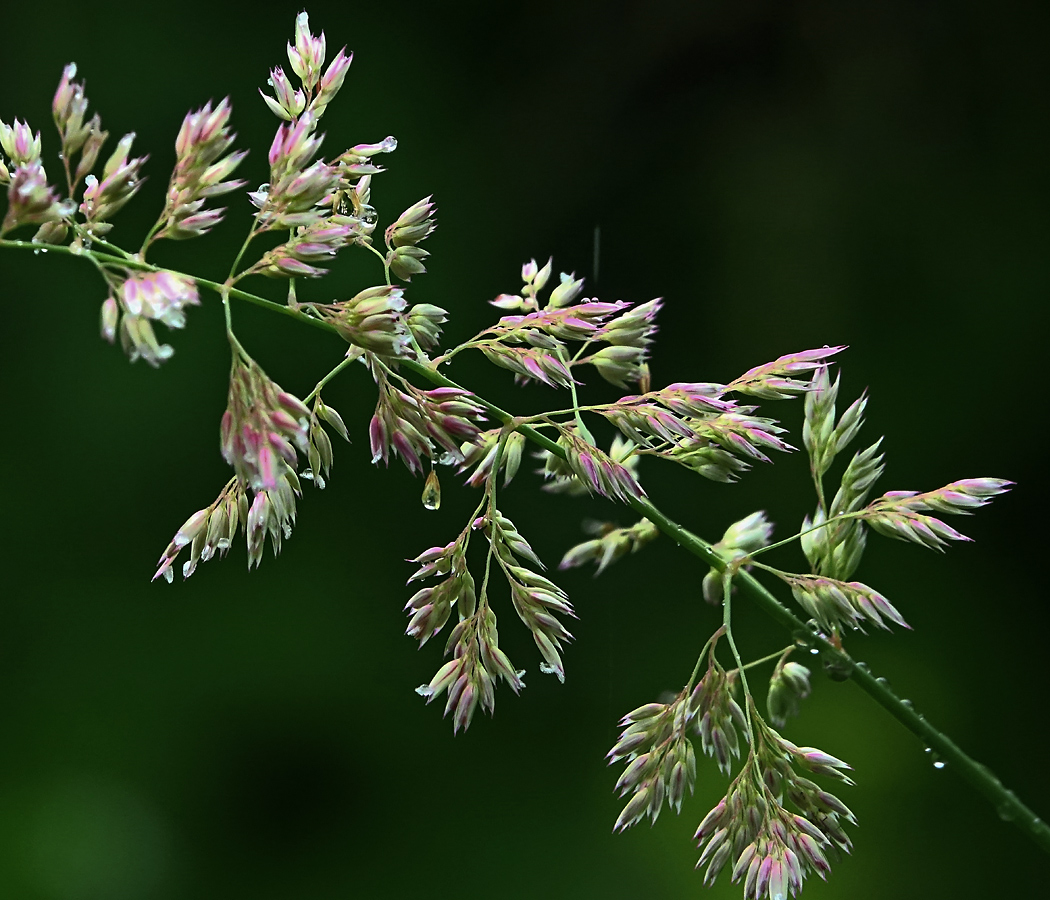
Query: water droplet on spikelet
(432, 491)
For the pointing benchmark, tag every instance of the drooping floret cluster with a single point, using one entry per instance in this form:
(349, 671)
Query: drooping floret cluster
(772, 848)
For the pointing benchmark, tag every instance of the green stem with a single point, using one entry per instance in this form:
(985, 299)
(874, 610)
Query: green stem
(700, 661)
(150, 235)
(818, 483)
(240, 253)
(382, 259)
(765, 659)
(490, 499)
(585, 432)
(977, 776)
(795, 537)
(727, 624)
(317, 388)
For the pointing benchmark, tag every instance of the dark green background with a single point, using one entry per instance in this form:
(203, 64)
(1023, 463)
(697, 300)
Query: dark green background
(785, 175)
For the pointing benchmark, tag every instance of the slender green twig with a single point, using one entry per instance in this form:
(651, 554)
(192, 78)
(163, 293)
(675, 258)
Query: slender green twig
(699, 662)
(788, 540)
(339, 368)
(727, 626)
(768, 658)
(382, 259)
(976, 775)
(585, 432)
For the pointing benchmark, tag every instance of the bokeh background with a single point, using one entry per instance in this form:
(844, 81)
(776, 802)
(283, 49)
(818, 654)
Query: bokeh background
(785, 175)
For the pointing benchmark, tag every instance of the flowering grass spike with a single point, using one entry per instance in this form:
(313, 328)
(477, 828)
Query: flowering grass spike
(776, 824)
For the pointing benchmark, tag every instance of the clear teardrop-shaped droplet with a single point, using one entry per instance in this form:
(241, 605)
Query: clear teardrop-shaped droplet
(368, 215)
(432, 491)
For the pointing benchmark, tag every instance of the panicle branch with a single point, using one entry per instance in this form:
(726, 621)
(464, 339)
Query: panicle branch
(611, 544)
(201, 172)
(840, 604)
(899, 514)
(418, 425)
(774, 824)
(773, 848)
(536, 599)
(263, 426)
(596, 470)
(141, 299)
(773, 381)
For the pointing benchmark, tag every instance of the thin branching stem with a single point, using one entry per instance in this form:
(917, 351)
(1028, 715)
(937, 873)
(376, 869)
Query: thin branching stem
(727, 626)
(976, 775)
(788, 540)
(779, 654)
(339, 368)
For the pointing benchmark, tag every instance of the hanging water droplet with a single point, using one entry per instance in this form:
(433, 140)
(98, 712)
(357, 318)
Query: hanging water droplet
(935, 758)
(368, 214)
(882, 681)
(906, 703)
(802, 639)
(863, 666)
(432, 491)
